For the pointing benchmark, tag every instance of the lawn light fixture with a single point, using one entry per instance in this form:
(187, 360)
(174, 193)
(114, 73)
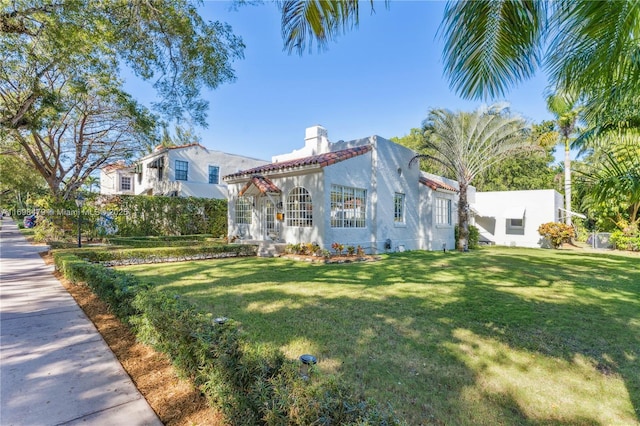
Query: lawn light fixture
(306, 360)
(80, 204)
(220, 320)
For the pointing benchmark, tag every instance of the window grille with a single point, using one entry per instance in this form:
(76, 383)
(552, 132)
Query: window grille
(348, 207)
(299, 208)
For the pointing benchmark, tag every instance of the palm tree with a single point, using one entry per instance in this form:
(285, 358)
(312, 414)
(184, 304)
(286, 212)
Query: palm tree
(564, 107)
(467, 144)
(90, 181)
(587, 47)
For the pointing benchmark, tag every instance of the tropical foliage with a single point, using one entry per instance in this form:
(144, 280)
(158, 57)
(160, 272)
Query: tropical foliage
(610, 182)
(586, 47)
(556, 233)
(467, 144)
(57, 66)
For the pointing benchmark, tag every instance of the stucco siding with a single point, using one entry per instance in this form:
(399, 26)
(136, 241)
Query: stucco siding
(497, 211)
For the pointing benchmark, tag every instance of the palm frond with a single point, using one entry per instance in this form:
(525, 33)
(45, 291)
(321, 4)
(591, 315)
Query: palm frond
(594, 51)
(305, 22)
(492, 45)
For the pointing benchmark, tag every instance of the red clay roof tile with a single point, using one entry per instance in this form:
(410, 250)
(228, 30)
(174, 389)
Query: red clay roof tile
(322, 160)
(262, 183)
(435, 184)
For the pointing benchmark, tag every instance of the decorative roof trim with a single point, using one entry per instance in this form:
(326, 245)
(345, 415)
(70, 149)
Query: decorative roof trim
(319, 161)
(436, 185)
(263, 184)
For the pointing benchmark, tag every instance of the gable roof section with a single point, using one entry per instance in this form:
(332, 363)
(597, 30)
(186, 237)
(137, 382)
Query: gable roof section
(259, 185)
(320, 160)
(436, 184)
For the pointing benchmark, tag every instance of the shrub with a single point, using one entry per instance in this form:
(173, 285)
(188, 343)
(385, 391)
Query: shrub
(473, 242)
(137, 215)
(626, 240)
(128, 256)
(251, 384)
(338, 248)
(556, 233)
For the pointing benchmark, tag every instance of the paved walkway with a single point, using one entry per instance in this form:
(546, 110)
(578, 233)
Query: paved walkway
(55, 368)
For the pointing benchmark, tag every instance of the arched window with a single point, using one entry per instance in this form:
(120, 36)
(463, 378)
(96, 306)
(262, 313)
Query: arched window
(299, 208)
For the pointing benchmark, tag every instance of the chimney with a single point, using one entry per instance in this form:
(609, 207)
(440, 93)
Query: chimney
(315, 140)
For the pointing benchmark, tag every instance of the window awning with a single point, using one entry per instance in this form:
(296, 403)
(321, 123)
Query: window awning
(580, 215)
(156, 164)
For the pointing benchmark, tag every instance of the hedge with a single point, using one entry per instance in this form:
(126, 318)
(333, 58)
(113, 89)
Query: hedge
(115, 256)
(251, 384)
(139, 215)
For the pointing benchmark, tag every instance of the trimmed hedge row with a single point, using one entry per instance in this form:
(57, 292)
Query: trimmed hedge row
(165, 240)
(251, 384)
(127, 256)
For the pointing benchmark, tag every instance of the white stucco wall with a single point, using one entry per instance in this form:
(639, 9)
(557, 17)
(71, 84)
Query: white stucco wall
(197, 183)
(110, 182)
(496, 208)
(382, 172)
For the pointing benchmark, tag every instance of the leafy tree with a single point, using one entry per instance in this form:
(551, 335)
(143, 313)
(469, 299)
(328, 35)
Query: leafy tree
(17, 180)
(164, 41)
(467, 144)
(89, 124)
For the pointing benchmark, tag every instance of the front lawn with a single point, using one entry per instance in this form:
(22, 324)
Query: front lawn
(495, 336)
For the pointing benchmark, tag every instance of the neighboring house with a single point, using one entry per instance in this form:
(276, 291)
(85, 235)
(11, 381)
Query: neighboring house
(361, 192)
(117, 178)
(512, 218)
(186, 171)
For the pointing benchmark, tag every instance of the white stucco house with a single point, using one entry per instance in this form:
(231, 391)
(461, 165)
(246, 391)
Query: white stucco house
(117, 178)
(184, 171)
(362, 192)
(512, 218)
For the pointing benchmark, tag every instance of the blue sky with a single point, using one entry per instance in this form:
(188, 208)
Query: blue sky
(381, 78)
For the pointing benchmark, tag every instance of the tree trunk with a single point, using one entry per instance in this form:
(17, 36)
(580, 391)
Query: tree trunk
(463, 218)
(567, 181)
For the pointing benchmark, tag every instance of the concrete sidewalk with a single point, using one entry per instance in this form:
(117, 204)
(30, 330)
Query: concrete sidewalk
(55, 368)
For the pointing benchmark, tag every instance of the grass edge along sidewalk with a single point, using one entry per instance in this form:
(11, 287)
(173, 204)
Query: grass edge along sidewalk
(497, 335)
(251, 385)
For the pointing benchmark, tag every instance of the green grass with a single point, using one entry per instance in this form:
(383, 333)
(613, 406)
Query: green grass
(496, 336)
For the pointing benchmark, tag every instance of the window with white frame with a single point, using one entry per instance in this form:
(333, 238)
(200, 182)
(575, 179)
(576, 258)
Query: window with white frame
(125, 183)
(214, 174)
(443, 211)
(398, 208)
(243, 210)
(182, 170)
(299, 208)
(348, 207)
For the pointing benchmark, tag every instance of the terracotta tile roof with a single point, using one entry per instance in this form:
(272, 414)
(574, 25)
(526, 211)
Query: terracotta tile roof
(263, 184)
(114, 166)
(436, 184)
(162, 148)
(321, 160)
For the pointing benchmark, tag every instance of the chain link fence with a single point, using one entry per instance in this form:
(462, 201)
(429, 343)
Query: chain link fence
(600, 240)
